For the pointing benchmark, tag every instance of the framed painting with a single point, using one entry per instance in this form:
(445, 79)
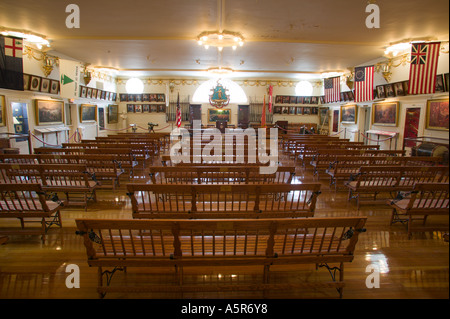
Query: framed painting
(101, 118)
(381, 94)
(349, 113)
(437, 114)
(113, 114)
(49, 112)
(215, 115)
(385, 114)
(88, 113)
(439, 86)
(389, 90)
(26, 81)
(2, 110)
(399, 89)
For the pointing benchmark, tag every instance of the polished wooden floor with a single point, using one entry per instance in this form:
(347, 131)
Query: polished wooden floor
(410, 268)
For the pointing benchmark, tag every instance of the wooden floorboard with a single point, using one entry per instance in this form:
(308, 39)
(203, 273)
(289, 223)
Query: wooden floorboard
(416, 268)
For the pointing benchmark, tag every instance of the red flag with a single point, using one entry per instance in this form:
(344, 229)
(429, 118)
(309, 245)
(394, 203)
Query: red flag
(332, 89)
(364, 83)
(263, 116)
(422, 74)
(178, 111)
(270, 98)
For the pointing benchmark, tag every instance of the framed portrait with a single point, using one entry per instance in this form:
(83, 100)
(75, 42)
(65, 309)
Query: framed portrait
(292, 109)
(89, 93)
(49, 112)
(439, 86)
(307, 110)
(385, 114)
(215, 115)
(138, 108)
(381, 93)
(114, 97)
(88, 113)
(26, 81)
(54, 87)
(299, 110)
(145, 108)
(113, 114)
(389, 90)
(349, 113)
(83, 91)
(130, 108)
(437, 114)
(399, 89)
(2, 110)
(122, 97)
(161, 108)
(35, 83)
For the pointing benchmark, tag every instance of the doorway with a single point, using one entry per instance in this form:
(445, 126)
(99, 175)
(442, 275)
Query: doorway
(243, 116)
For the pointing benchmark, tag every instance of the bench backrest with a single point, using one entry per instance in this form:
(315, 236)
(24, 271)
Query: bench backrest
(173, 239)
(429, 197)
(217, 175)
(223, 201)
(22, 198)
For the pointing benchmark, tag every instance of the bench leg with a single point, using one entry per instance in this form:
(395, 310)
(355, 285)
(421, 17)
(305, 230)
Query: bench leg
(266, 274)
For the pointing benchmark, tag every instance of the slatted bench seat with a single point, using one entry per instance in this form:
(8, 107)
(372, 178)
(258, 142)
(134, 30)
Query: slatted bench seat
(343, 167)
(426, 199)
(223, 201)
(70, 179)
(216, 174)
(27, 202)
(120, 244)
(392, 179)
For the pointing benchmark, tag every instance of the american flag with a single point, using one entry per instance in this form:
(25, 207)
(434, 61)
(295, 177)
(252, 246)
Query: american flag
(332, 89)
(178, 111)
(422, 74)
(364, 83)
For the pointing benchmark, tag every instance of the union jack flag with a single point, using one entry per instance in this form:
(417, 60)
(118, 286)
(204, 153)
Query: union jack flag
(422, 74)
(178, 111)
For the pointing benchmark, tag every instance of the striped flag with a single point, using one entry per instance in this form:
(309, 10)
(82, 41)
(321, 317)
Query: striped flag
(263, 115)
(178, 111)
(270, 98)
(364, 83)
(332, 89)
(422, 74)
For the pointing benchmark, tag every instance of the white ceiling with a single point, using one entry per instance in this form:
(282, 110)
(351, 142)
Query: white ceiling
(284, 38)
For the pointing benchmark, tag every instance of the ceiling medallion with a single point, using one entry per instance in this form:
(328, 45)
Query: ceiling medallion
(219, 97)
(220, 40)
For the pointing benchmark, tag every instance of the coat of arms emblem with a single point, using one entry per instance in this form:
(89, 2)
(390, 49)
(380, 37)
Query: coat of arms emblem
(219, 97)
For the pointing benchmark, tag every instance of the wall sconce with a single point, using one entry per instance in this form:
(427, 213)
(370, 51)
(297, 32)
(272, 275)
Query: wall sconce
(48, 64)
(171, 86)
(87, 77)
(386, 71)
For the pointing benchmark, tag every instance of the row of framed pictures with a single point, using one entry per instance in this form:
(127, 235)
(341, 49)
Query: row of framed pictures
(39, 84)
(146, 97)
(295, 110)
(91, 93)
(387, 114)
(146, 108)
(287, 99)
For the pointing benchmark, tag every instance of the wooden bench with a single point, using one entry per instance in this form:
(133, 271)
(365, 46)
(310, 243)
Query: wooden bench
(343, 167)
(426, 199)
(218, 174)
(63, 178)
(178, 244)
(392, 179)
(27, 202)
(223, 201)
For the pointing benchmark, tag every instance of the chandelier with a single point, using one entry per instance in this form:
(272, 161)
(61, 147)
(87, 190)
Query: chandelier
(220, 39)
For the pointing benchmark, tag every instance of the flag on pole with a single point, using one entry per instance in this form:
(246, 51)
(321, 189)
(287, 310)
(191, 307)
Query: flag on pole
(332, 89)
(422, 74)
(263, 116)
(11, 63)
(270, 98)
(178, 111)
(364, 83)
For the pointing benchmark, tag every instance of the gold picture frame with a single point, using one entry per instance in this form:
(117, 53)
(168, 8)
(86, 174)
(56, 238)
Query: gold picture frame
(385, 114)
(437, 115)
(49, 112)
(2, 110)
(215, 115)
(88, 113)
(349, 114)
